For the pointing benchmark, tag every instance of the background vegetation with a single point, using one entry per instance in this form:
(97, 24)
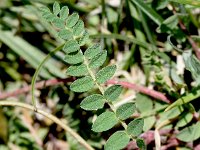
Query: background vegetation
(155, 45)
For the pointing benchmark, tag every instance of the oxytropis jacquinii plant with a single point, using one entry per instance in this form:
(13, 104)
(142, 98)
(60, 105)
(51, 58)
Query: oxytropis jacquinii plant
(86, 64)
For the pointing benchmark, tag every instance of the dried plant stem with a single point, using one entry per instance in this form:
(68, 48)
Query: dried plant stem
(51, 117)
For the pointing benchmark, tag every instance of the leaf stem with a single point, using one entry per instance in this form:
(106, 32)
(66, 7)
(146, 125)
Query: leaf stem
(38, 71)
(51, 117)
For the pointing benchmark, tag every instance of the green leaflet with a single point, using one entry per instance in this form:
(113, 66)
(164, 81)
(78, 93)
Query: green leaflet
(125, 111)
(104, 122)
(65, 34)
(168, 24)
(78, 28)
(56, 8)
(72, 20)
(184, 119)
(117, 141)
(64, 12)
(44, 9)
(144, 103)
(149, 122)
(71, 46)
(98, 60)
(135, 127)
(113, 92)
(192, 64)
(92, 51)
(141, 144)
(74, 58)
(105, 73)
(190, 133)
(82, 85)
(84, 38)
(49, 17)
(93, 102)
(77, 70)
(59, 23)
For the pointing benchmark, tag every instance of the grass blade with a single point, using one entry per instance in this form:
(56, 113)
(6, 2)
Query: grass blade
(148, 11)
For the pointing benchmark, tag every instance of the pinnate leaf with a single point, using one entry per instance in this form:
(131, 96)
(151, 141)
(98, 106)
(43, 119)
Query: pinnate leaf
(93, 102)
(71, 46)
(117, 141)
(56, 8)
(104, 122)
(78, 28)
(82, 85)
(141, 144)
(105, 73)
(77, 70)
(135, 127)
(98, 60)
(64, 12)
(92, 51)
(72, 20)
(113, 92)
(125, 111)
(84, 38)
(65, 34)
(74, 58)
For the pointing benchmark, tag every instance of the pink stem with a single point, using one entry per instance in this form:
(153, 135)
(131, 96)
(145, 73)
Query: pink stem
(51, 82)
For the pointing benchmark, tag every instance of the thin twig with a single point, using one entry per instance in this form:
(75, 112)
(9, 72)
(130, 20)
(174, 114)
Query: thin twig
(51, 117)
(39, 85)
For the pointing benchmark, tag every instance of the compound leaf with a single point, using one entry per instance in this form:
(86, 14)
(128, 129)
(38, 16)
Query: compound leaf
(71, 46)
(64, 12)
(98, 60)
(74, 58)
(105, 73)
(82, 85)
(72, 20)
(92, 51)
(113, 92)
(93, 102)
(104, 122)
(77, 70)
(59, 23)
(78, 28)
(125, 111)
(56, 8)
(135, 127)
(65, 34)
(117, 141)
